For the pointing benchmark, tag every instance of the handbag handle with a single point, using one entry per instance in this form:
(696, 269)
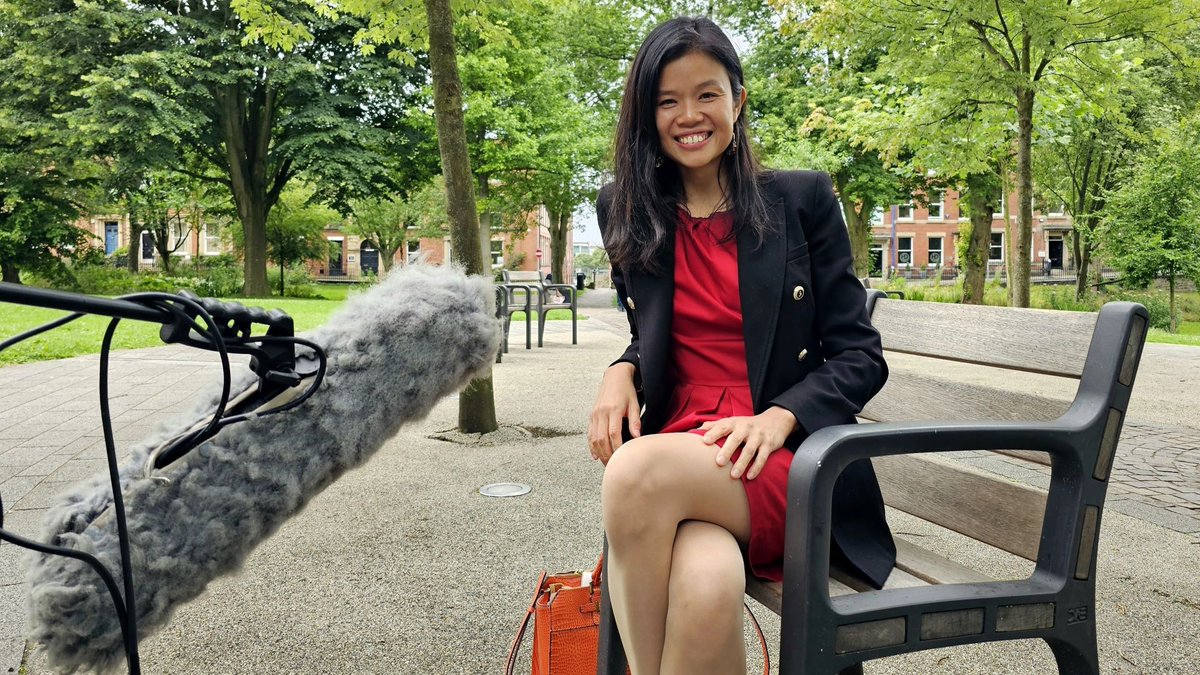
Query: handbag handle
(516, 645)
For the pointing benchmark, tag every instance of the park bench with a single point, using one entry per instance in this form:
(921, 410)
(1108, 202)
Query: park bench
(832, 622)
(532, 283)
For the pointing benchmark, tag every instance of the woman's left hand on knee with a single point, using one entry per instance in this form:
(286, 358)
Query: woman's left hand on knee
(757, 437)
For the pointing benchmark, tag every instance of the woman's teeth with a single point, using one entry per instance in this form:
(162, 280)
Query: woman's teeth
(694, 138)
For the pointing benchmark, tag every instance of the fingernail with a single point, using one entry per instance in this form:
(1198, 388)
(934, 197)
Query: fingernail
(734, 473)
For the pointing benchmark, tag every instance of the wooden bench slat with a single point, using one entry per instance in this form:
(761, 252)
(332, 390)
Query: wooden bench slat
(933, 568)
(943, 399)
(770, 593)
(982, 506)
(980, 334)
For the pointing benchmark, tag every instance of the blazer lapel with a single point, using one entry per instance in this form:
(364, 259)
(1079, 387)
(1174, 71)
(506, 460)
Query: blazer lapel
(655, 296)
(760, 283)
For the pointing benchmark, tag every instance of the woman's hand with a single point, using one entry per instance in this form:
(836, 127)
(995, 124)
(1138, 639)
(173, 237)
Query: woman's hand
(617, 400)
(757, 437)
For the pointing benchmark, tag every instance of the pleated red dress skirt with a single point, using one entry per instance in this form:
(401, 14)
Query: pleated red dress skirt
(709, 366)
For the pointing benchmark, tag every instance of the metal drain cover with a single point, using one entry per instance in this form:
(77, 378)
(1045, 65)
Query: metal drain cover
(504, 490)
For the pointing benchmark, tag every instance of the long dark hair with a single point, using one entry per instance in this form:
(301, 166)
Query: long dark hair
(648, 191)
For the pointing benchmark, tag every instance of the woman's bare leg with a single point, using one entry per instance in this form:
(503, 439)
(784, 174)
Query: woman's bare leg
(651, 485)
(704, 609)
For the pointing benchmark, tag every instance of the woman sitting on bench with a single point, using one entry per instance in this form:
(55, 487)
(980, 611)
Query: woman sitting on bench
(749, 332)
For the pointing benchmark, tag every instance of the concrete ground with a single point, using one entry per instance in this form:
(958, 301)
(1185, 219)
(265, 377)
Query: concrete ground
(401, 566)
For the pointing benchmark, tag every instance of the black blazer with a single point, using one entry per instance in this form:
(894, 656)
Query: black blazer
(810, 347)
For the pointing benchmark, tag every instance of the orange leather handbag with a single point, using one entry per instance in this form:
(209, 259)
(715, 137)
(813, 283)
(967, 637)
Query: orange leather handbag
(566, 625)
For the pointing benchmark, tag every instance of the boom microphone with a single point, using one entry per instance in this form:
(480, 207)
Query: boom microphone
(393, 352)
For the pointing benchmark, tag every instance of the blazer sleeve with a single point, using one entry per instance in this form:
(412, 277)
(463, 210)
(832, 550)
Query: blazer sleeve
(631, 354)
(852, 369)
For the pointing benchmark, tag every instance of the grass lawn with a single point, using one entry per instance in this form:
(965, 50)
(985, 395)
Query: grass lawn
(83, 336)
(1189, 334)
(553, 315)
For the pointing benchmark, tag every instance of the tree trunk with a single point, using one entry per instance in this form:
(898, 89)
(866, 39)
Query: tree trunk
(1019, 280)
(476, 404)
(485, 226)
(559, 222)
(254, 263)
(980, 194)
(1171, 283)
(12, 273)
(1083, 257)
(245, 124)
(858, 227)
(386, 255)
(162, 243)
(135, 243)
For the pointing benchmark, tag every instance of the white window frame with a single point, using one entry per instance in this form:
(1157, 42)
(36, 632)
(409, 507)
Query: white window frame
(900, 251)
(141, 244)
(992, 244)
(1062, 210)
(940, 250)
(900, 218)
(941, 206)
(497, 256)
(208, 249)
(411, 254)
(1003, 201)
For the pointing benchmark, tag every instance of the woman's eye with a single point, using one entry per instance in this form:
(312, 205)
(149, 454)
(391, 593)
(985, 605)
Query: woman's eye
(666, 102)
(707, 95)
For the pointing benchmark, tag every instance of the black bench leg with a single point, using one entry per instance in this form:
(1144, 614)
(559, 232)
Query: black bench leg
(1076, 656)
(610, 655)
(852, 670)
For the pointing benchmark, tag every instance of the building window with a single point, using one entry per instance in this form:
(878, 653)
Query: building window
(904, 211)
(147, 247)
(996, 250)
(497, 253)
(999, 212)
(413, 253)
(212, 240)
(937, 204)
(904, 251)
(1058, 209)
(935, 250)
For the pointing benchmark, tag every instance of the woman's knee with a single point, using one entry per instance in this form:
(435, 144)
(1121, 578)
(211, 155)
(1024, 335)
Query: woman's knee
(633, 481)
(708, 577)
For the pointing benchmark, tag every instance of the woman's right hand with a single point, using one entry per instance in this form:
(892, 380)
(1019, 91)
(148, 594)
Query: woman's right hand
(617, 400)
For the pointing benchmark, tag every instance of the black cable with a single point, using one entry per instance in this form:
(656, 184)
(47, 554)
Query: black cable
(170, 304)
(39, 330)
(126, 611)
(129, 630)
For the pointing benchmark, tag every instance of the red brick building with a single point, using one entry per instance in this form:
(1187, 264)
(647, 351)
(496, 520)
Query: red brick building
(352, 256)
(914, 240)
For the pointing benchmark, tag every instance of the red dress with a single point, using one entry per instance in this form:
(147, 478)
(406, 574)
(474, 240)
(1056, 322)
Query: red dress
(709, 367)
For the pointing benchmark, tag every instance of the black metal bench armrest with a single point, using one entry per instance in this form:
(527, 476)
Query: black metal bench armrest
(1070, 441)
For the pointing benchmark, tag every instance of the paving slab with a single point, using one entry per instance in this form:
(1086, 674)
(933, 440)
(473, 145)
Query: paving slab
(402, 567)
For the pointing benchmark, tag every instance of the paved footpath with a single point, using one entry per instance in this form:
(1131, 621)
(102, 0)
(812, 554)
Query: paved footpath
(339, 591)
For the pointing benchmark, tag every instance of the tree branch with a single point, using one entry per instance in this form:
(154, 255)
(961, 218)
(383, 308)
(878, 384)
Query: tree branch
(987, 44)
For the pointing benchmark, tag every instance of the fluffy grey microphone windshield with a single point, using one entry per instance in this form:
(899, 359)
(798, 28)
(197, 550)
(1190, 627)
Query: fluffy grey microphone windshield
(393, 352)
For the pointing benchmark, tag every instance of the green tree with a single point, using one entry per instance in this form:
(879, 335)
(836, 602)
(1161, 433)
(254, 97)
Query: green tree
(1151, 227)
(802, 102)
(1002, 53)
(296, 229)
(181, 75)
(390, 223)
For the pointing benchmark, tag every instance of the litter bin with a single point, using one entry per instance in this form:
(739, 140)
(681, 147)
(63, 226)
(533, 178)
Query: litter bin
(579, 277)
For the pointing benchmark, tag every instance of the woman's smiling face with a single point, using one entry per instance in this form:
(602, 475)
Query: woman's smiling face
(695, 111)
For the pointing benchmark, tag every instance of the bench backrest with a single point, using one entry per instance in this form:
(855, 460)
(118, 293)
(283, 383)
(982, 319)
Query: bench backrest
(524, 277)
(942, 358)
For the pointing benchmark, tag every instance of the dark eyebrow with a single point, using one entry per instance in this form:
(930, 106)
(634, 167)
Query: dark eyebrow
(703, 85)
